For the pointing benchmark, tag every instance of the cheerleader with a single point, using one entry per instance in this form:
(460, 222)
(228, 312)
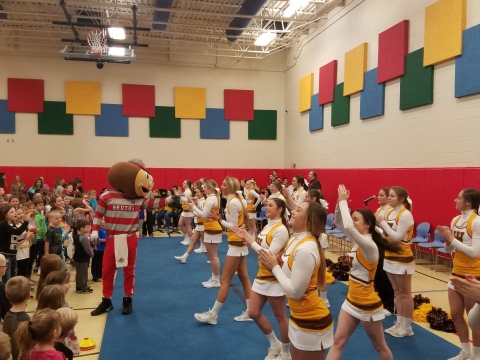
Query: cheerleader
(199, 199)
(212, 230)
(235, 261)
(470, 287)
(299, 186)
(253, 200)
(382, 285)
(398, 225)
(185, 222)
(363, 305)
(464, 237)
(302, 266)
(273, 237)
(315, 196)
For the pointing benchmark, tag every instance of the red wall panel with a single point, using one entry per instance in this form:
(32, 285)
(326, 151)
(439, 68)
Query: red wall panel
(432, 189)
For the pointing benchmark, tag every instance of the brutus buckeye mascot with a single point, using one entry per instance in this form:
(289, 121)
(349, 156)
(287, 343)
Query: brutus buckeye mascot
(119, 208)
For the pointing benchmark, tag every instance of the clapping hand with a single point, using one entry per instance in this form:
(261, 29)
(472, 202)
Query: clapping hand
(244, 235)
(268, 259)
(468, 287)
(446, 233)
(215, 215)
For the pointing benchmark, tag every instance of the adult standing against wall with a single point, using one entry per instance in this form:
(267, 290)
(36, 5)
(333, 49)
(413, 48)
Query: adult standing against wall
(3, 180)
(18, 187)
(314, 183)
(464, 237)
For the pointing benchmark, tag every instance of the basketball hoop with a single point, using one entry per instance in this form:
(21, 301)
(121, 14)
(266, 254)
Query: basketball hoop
(97, 40)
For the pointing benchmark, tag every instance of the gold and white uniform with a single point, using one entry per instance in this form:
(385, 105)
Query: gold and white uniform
(311, 324)
(273, 237)
(299, 195)
(253, 199)
(213, 230)
(466, 230)
(199, 220)
(362, 301)
(235, 216)
(398, 226)
(184, 200)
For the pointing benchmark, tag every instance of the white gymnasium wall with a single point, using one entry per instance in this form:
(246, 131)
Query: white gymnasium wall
(85, 149)
(445, 133)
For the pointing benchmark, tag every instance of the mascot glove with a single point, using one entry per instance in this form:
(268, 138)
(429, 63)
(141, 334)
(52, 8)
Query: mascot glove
(94, 235)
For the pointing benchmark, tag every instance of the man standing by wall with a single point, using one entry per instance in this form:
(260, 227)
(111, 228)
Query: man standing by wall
(314, 183)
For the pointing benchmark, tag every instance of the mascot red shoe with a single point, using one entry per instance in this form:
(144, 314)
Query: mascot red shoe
(119, 209)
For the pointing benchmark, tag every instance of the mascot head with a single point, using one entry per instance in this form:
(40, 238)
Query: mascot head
(131, 178)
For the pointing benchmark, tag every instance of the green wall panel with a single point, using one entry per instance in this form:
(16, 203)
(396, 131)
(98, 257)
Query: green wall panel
(263, 126)
(340, 107)
(416, 86)
(54, 120)
(165, 124)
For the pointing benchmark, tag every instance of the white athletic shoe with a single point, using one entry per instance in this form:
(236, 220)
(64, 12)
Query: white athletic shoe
(462, 356)
(283, 356)
(212, 283)
(182, 259)
(393, 328)
(201, 249)
(185, 242)
(273, 352)
(207, 317)
(402, 331)
(243, 317)
(387, 313)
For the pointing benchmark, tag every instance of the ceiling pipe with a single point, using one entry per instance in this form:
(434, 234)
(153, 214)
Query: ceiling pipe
(249, 7)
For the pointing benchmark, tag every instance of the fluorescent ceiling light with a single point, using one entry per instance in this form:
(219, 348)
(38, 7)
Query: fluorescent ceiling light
(116, 33)
(265, 39)
(294, 5)
(116, 51)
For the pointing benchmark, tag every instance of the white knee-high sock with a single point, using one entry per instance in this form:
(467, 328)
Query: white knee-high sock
(216, 307)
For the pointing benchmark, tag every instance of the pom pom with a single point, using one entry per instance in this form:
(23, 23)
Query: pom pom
(419, 300)
(329, 279)
(420, 314)
(341, 269)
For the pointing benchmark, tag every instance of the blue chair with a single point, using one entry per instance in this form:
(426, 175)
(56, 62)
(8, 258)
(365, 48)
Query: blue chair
(445, 255)
(423, 236)
(261, 218)
(432, 247)
(329, 222)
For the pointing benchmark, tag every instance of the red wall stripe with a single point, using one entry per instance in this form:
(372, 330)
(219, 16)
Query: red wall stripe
(432, 190)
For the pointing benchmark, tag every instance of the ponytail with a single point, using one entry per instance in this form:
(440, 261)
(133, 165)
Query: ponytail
(379, 240)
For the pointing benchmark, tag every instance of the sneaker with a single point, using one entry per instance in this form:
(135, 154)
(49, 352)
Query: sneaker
(211, 283)
(201, 249)
(127, 305)
(243, 317)
(402, 331)
(393, 328)
(273, 352)
(185, 242)
(387, 313)
(462, 356)
(84, 291)
(105, 306)
(283, 356)
(182, 259)
(207, 317)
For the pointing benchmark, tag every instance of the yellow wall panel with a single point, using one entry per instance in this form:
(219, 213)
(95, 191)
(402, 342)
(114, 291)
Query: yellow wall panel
(445, 21)
(83, 97)
(190, 103)
(355, 68)
(306, 92)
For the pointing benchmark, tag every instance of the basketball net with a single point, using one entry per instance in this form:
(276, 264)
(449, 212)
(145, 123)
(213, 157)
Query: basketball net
(97, 40)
